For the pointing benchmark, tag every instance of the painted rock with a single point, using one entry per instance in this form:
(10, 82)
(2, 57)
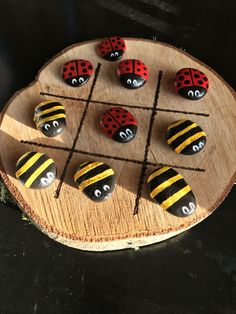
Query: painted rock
(77, 72)
(186, 137)
(191, 83)
(95, 179)
(50, 118)
(119, 124)
(35, 170)
(132, 73)
(112, 48)
(169, 189)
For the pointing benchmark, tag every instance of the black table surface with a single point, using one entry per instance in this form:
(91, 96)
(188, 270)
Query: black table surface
(192, 273)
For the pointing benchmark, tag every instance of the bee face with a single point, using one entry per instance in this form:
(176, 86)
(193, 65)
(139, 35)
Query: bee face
(95, 180)
(53, 128)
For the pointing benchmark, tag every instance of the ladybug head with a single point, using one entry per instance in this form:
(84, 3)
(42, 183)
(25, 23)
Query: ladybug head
(192, 92)
(114, 55)
(77, 81)
(53, 128)
(100, 190)
(125, 133)
(132, 81)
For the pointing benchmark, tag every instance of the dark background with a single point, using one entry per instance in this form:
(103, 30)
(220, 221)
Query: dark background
(192, 273)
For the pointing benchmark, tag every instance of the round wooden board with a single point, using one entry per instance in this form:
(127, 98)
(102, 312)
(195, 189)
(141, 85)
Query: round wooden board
(62, 211)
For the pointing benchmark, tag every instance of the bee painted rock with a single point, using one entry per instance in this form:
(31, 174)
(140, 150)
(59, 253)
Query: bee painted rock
(119, 124)
(95, 179)
(112, 49)
(186, 137)
(35, 170)
(77, 72)
(50, 118)
(191, 83)
(132, 73)
(169, 189)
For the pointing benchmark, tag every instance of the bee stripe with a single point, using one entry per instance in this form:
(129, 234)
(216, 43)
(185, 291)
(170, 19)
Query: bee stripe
(47, 111)
(87, 169)
(189, 141)
(157, 173)
(165, 184)
(22, 157)
(28, 164)
(176, 124)
(46, 102)
(98, 177)
(174, 137)
(57, 116)
(175, 197)
(38, 171)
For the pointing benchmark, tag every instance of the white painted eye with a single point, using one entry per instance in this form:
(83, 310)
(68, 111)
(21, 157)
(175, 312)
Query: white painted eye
(195, 148)
(185, 210)
(74, 81)
(135, 82)
(55, 123)
(112, 54)
(122, 135)
(201, 144)
(106, 187)
(81, 80)
(116, 54)
(97, 193)
(44, 181)
(190, 93)
(47, 126)
(129, 81)
(197, 93)
(50, 175)
(192, 206)
(129, 132)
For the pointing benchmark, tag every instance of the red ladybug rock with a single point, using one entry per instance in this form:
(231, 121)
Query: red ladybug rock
(77, 72)
(132, 73)
(119, 124)
(191, 83)
(112, 48)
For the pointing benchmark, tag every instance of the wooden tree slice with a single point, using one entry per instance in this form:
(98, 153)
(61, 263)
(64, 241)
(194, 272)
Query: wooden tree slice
(62, 211)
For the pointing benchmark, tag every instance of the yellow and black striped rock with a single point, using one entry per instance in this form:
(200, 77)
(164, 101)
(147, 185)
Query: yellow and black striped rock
(35, 170)
(186, 137)
(50, 118)
(169, 189)
(95, 179)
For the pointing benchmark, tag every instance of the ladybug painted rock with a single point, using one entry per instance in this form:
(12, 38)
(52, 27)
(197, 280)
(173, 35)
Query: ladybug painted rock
(119, 124)
(112, 48)
(50, 118)
(191, 83)
(77, 72)
(132, 73)
(95, 179)
(169, 189)
(186, 137)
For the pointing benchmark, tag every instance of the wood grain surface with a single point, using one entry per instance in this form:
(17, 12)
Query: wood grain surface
(67, 215)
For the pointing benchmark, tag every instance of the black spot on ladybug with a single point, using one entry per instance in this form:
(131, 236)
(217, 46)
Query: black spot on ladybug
(205, 79)
(72, 68)
(113, 40)
(70, 74)
(138, 63)
(117, 110)
(106, 125)
(196, 75)
(207, 85)
(145, 69)
(131, 120)
(186, 73)
(109, 119)
(118, 116)
(123, 46)
(119, 42)
(138, 70)
(181, 78)
(90, 67)
(64, 69)
(114, 126)
(123, 121)
(83, 64)
(124, 116)
(126, 62)
(200, 82)
(84, 71)
(127, 69)
(186, 82)
(116, 47)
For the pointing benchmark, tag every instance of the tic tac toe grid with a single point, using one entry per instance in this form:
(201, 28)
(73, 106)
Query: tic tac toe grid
(152, 110)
